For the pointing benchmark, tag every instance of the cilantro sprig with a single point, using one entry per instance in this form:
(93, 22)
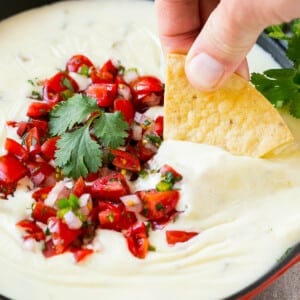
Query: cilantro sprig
(85, 131)
(282, 86)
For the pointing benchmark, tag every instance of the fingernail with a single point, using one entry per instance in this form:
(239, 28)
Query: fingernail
(204, 71)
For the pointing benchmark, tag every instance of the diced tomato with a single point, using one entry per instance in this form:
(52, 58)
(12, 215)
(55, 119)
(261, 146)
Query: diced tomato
(125, 160)
(41, 173)
(33, 230)
(76, 62)
(126, 108)
(62, 236)
(49, 249)
(179, 236)
(42, 193)
(137, 240)
(99, 76)
(32, 141)
(57, 84)
(104, 93)
(16, 149)
(48, 148)
(114, 216)
(148, 91)
(110, 67)
(82, 254)
(79, 187)
(38, 109)
(159, 125)
(168, 169)
(110, 187)
(11, 169)
(42, 212)
(145, 153)
(157, 205)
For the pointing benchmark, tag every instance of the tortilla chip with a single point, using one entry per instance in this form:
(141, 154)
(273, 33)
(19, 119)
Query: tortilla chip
(236, 117)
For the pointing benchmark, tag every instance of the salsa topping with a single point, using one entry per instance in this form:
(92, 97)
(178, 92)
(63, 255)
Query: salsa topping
(80, 149)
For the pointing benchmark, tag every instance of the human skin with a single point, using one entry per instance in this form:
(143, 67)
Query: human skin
(217, 35)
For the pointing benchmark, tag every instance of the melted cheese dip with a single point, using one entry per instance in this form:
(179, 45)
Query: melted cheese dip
(247, 210)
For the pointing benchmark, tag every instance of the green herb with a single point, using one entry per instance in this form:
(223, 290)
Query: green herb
(159, 206)
(47, 231)
(146, 123)
(67, 83)
(154, 139)
(143, 174)
(282, 86)
(163, 186)
(75, 120)
(84, 70)
(30, 81)
(67, 204)
(152, 248)
(111, 218)
(36, 95)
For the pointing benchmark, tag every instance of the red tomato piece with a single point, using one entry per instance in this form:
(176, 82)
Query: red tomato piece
(16, 149)
(33, 230)
(148, 91)
(38, 109)
(158, 205)
(62, 236)
(41, 173)
(48, 148)
(104, 93)
(114, 216)
(49, 249)
(42, 193)
(179, 236)
(57, 84)
(79, 187)
(168, 169)
(110, 187)
(145, 153)
(11, 169)
(76, 62)
(82, 254)
(99, 76)
(159, 125)
(126, 108)
(125, 160)
(110, 67)
(42, 212)
(137, 240)
(32, 141)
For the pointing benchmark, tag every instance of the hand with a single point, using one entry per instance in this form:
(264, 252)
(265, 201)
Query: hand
(217, 35)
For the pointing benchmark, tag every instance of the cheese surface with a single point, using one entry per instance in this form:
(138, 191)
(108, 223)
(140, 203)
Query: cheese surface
(247, 210)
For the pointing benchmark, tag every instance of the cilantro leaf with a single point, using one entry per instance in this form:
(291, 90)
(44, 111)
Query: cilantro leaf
(294, 49)
(78, 154)
(68, 113)
(277, 85)
(111, 129)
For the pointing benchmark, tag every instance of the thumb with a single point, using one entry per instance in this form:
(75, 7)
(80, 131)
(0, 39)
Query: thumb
(228, 35)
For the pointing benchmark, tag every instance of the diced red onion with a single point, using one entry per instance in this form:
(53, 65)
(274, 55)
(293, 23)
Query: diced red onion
(72, 220)
(132, 203)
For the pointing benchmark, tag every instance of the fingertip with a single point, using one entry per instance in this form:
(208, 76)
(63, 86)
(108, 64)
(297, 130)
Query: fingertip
(204, 72)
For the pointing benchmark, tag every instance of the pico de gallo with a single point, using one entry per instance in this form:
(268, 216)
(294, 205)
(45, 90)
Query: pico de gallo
(86, 138)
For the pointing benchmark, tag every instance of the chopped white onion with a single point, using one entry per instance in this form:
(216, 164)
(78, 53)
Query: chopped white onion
(124, 91)
(132, 203)
(137, 132)
(141, 118)
(86, 204)
(29, 244)
(53, 195)
(72, 220)
(82, 81)
(130, 75)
